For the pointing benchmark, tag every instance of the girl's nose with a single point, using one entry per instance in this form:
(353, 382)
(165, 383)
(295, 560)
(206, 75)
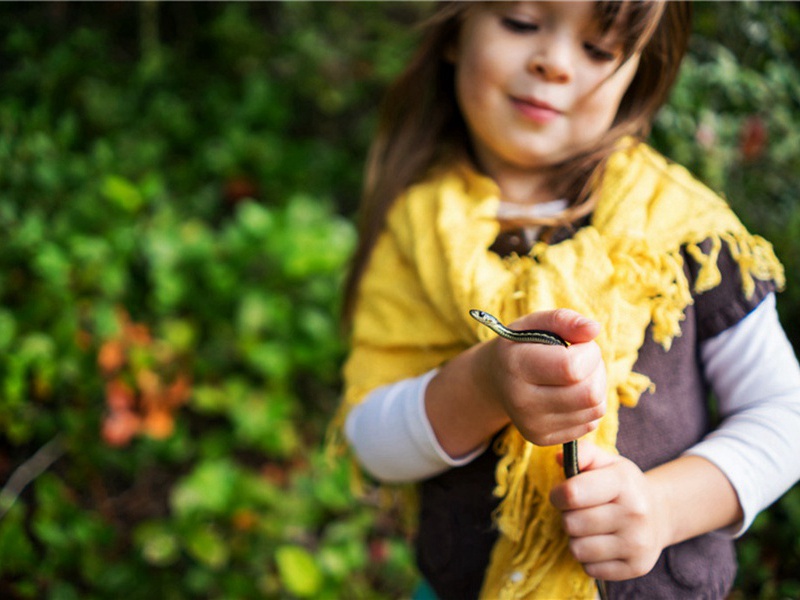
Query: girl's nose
(552, 61)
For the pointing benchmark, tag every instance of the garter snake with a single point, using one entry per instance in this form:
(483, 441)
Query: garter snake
(539, 336)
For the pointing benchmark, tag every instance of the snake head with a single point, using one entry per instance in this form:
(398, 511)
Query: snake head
(484, 317)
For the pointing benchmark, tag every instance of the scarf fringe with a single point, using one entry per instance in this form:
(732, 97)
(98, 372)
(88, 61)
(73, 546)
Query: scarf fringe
(532, 547)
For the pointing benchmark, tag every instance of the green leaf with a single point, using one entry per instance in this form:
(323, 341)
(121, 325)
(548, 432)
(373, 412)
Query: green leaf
(159, 546)
(123, 193)
(8, 328)
(271, 359)
(16, 551)
(180, 334)
(208, 489)
(266, 423)
(298, 571)
(208, 547)
(255, 219)
(52, 264)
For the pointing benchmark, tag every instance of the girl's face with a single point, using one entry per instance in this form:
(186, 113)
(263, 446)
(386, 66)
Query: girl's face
(536, 82)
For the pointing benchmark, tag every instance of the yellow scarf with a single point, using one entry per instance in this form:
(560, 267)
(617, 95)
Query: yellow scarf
(625, 270)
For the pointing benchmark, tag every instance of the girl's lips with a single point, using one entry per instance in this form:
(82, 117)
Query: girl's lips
(539, 112)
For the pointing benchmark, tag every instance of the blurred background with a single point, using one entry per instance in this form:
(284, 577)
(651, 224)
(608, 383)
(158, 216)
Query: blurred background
(178, 183)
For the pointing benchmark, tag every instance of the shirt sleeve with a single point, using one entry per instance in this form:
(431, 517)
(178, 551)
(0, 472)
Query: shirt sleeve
(755, 376)
(392, 438)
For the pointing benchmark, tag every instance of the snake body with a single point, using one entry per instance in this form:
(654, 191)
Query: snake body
(539, 336)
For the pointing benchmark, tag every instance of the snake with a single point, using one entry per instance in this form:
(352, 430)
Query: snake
(548, 338)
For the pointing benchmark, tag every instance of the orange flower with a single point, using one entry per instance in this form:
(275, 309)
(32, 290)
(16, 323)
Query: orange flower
(178, 391)
(119, 395)
(119, 427)
(137, 334)
(244, 519)
(753, 138)
(111, 356)
(149, 384)
(158, 424)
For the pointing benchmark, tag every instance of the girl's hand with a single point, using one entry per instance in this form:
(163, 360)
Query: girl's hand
(550, 393)
(613, 516)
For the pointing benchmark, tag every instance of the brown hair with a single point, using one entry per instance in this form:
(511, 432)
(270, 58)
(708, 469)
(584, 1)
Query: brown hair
(421, 128)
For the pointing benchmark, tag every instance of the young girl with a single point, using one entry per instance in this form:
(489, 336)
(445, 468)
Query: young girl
(509, 175)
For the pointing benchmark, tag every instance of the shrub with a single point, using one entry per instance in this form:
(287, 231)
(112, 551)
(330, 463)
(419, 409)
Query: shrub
(171, 256)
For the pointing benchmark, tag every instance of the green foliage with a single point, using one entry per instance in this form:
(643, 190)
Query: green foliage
(175, 202)
(734, 120)
(171, 259)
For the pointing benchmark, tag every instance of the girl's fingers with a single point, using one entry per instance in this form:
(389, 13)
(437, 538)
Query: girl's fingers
(589, 394)
(608, 570)
(546, 425)
(562, 407)
(555, 365)
(555, 436)
(589, 522)
(596, 548)
(548, 415)
(560, 429)
(570, 325)
(592, 489)
(597, 485)
(617, 569)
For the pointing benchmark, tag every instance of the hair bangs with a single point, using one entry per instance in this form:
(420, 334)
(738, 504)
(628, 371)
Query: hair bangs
(632, 21)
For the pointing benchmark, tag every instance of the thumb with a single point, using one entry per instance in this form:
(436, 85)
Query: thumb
(569, 324)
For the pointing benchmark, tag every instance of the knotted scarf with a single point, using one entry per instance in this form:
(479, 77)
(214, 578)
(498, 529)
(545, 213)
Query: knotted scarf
(624, 269)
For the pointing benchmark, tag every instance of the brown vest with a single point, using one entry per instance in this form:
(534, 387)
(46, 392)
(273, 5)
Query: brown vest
(456, 534)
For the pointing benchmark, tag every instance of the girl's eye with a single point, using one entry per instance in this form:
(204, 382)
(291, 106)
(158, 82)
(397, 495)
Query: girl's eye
(599, 54)
(518, 26)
